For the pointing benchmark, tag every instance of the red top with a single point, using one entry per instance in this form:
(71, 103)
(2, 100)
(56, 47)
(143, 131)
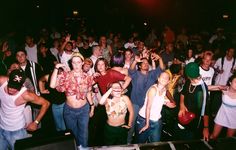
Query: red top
(111, 76)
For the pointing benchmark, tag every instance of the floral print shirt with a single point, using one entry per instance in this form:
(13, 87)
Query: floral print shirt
(74, 85)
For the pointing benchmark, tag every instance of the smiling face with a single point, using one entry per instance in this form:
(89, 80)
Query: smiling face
(116, 90)
(164, 79)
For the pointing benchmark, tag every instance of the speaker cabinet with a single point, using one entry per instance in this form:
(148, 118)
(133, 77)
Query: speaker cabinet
(62, 142)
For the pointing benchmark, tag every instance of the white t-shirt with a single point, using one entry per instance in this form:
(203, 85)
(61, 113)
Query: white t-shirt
(221, 79)
(189, 60)
(207, 75)
(94, 59)
(65, 58)
(32, 53)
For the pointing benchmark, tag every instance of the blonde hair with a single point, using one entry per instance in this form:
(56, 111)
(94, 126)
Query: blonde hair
(77, 54)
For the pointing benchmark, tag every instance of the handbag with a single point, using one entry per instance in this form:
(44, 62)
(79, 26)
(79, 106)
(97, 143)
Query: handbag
(187, 118)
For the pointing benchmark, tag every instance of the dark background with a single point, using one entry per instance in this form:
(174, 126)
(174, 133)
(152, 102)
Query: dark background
(105, 15)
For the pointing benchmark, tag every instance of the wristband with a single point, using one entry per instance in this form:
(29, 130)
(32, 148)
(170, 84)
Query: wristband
(56, 68)
(91, 104)
(205, 127)
(36, 121)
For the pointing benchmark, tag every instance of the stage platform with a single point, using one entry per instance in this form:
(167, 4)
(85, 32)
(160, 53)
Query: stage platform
(67, 142)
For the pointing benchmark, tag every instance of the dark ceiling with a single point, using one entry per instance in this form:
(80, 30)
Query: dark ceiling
(106, 14)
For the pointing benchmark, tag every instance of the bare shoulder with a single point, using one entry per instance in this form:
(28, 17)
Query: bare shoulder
(3, 79)
(28, 95)
(125, 98)
(152, 89)
(230, 94)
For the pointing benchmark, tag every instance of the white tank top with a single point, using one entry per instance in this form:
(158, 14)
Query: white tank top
(157, 103)
(11, 116)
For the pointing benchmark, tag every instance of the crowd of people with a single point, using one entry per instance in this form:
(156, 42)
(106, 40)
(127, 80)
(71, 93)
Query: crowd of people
(118, 91)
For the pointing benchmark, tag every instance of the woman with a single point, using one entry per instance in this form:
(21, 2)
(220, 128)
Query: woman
(46, 59)
(189, 56)
(149, 123)
(77, 86)
(57, 99)
(226, 114)
(105, 76)
(128, 58)
(106, 49)
(116, 109)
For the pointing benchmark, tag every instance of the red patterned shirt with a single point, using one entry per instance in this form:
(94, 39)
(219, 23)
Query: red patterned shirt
(74, 85)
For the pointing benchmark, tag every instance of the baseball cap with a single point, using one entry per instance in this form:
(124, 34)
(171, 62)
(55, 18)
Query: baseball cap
(192, 70)
(16, 79)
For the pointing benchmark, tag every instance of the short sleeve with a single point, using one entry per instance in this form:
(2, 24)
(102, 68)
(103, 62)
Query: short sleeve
(116, 75)
(184, 90)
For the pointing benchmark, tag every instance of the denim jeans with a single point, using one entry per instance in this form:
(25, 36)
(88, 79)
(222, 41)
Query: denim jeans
(152, 134)
(57, 111)
(8, 138)
(76, 120)
(131, 130)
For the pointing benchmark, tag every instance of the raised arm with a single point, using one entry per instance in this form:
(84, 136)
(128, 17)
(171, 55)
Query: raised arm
(64, 44)
(105, 96)
(53, 81)
(134, 63)
(158, 57)
(127, 80)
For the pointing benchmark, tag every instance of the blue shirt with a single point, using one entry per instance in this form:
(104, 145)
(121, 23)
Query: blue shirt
(141, 83)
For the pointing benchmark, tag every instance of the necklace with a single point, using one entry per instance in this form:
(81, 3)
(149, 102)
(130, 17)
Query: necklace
(189, 89)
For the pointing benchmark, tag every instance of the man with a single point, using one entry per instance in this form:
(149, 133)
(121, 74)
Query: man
(206, 71)
(66, 51)
(97, 52)
(13, 98)
(168, 54)
(32, 70)
(194, 98)
(142, 80)
(31, 49)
